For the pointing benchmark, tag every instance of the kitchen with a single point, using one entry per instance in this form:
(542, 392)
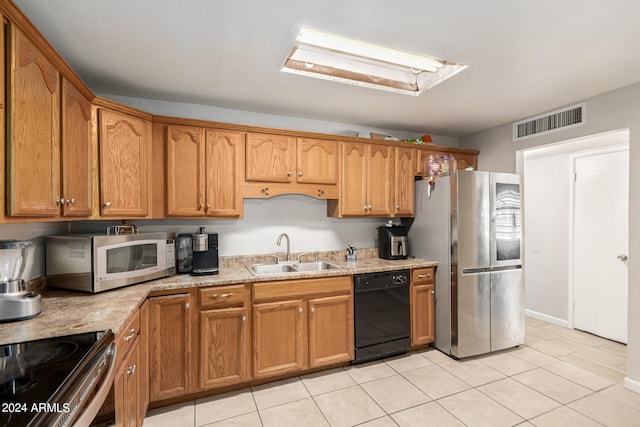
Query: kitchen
(266, 219)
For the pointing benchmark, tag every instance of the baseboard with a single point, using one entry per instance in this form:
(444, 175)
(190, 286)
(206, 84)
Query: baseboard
(547, 318)
(632, 385)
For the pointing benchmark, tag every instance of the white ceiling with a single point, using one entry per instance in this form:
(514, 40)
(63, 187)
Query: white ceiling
(526, 56)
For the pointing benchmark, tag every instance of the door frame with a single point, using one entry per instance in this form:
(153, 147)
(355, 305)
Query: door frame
(572, 212)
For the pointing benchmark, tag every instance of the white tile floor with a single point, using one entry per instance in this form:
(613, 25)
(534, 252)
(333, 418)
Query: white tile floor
(560, 378)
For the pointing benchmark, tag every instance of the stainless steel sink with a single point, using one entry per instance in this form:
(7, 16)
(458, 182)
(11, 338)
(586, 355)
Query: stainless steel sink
(270, 268)
(315, 266)
(258, 269)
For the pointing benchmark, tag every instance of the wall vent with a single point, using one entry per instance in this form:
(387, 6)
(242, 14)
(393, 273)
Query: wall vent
(553, 121)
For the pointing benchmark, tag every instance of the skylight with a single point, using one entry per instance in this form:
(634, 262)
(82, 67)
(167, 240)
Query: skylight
(332, 57)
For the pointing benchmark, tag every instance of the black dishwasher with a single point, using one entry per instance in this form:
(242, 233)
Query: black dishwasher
(382, 315)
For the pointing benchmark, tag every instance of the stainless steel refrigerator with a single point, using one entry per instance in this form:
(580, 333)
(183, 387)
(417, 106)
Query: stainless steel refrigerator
(470, 222)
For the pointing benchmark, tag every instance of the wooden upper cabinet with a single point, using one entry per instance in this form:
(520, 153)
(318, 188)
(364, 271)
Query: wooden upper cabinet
(279, 164)
(270, 158)
(204, 172)
(224, 170)
(355, 172)
(185, 171)
(125, 142)
(380, 188)
(317, 161)
(33, 127)
(404, 180)
(77, 173)
(366, 182)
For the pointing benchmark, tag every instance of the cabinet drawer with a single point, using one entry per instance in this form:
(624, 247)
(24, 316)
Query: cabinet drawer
(302, 288)
(222, 296)
(422, 276)
(127, 337)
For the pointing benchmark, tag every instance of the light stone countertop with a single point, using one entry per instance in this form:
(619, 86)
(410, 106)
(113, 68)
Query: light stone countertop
(69, 312)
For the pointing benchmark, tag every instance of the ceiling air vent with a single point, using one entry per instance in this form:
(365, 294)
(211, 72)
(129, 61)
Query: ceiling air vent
(554, 121)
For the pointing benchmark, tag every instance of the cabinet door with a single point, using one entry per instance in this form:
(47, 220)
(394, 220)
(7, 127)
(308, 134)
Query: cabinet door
(270, 158)
(77, 174)
(279, 338)
(353, 188)
(224, 347)
(224, 172)
(380, 188)
(126, 389)
(422, 315)
(330, 330)
(185, 171)
(170, 351)
(143, 363)
(405, 167)
(33, 187)
(317, 161)
(124, 164)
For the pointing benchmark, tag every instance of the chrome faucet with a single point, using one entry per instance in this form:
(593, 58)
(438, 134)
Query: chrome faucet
(288, 245)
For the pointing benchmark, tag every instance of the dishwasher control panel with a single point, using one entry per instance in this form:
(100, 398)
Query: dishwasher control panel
(381, 280)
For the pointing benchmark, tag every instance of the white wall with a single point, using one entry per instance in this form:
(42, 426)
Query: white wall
(619, 109)
(35, 232)
(546, 237)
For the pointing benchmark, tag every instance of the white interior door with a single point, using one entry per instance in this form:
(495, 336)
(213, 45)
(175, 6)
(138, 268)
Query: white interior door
(601, 236)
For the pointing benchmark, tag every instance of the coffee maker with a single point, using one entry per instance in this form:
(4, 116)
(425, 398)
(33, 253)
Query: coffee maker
(392, 241)
(198, 253)
(16, 303)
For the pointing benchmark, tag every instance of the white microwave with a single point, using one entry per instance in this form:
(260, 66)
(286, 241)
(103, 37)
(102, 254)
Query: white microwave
(96, 263)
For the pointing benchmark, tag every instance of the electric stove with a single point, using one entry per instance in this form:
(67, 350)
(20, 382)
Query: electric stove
(48, 382)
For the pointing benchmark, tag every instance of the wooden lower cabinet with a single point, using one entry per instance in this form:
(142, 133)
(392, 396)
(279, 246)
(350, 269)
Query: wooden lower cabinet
(225, 344)
(329, 340)
(127, 389)
(279, 338)
(422, 306)
(302, 324)
(130, 385)
(171, 361)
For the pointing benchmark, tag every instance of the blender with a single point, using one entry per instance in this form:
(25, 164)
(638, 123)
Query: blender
(16, 303)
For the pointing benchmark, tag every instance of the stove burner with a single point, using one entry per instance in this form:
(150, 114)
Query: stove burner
(15, 387)
(41, 353)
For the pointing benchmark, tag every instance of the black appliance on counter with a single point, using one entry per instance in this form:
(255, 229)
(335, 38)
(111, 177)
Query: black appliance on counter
(382, 315)
(392, 242)
(56, 381)
(198, 253)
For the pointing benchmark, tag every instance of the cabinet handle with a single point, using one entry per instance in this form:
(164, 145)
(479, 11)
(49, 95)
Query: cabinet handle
(433, 291)
(289, 173)
(313, 309)
(208, 205)
(244, 318)
(214, 296)
(71, 201)
(59, 201)
(299, 309)
(107, 204)
(424, 276)
(132, 333)
(131, 370)
(186, 305)
(300, 173)
(397, 207)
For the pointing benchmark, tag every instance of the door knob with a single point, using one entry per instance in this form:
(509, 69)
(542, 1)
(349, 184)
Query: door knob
(623, 257)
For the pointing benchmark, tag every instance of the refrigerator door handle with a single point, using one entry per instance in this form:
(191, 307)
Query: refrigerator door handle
(480, 270)
(475, 270)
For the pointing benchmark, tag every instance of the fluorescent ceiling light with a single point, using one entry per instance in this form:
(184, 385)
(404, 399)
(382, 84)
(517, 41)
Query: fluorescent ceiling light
(331, 57)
